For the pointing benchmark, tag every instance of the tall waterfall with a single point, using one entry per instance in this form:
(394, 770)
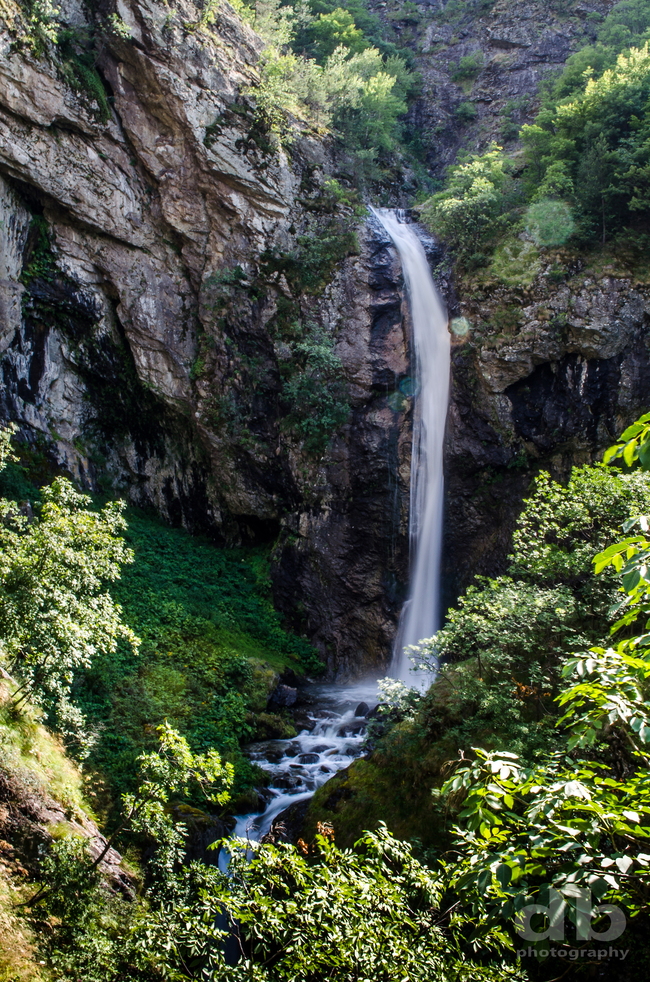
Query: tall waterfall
(421, 613)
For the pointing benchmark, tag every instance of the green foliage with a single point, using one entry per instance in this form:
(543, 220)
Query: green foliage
(315, 392)
(468, 67)
(516, 263)
(320, 65)
(368, 913)
(39, 262)
(330, 30)
(471, 208)
(208, 628)
(55, 614)
(586, 177)
(503, 649)
(633, 446)
(572, 822)
(42, 25)
(466, 112)
(549, 222)
(309, 267)
(93, 933)
(589, 142)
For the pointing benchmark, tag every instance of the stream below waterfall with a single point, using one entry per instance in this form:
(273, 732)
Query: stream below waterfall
(331, 740)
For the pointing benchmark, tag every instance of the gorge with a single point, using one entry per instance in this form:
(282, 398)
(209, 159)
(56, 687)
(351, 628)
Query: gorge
(346, 304)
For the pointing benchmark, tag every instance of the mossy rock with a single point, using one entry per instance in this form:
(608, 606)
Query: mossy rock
(392, 788)
(271, 726)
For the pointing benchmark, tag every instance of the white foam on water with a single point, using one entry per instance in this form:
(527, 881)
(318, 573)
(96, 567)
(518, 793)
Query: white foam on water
(301, 765)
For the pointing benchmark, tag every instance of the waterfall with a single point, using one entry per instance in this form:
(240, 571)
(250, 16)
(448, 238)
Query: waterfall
(421, 613)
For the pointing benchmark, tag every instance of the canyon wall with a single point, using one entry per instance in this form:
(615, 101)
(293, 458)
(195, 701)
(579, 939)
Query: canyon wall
(155, 250)
(143, 307)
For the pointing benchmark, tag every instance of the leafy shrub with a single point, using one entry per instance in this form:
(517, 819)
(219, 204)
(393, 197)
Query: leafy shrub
(468, 67)
(469, 211)
(466, 112)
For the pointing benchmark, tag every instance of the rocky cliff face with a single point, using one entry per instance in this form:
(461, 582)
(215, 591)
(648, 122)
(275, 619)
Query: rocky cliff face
(145, 292)
(546, 376)
(158, 250)
(482, 63)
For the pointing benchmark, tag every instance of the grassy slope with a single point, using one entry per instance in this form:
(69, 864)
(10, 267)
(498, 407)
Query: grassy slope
(212, 645)
(36, 759)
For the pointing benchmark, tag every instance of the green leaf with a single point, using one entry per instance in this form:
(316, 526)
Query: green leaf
(504, 875)
(629, 452)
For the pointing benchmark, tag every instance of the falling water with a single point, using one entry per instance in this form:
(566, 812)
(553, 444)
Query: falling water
(420, 614)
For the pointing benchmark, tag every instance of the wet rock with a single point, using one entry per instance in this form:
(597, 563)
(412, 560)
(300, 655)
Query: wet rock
(291, 678)
(292, 820)
(362, 709)
(283, 696)
(292, 749)
(308, 758)
(322, 748)
(351, 729)
(271, 757)
(303, 720)
(287, 782)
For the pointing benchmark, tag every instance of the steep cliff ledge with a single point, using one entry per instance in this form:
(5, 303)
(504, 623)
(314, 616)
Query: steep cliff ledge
(153, 312)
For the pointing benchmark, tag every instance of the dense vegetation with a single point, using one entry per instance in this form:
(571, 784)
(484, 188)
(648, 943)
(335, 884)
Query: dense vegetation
(334, 68)
(519, 778)
(185, 631)
(557, 800)
(585, 179)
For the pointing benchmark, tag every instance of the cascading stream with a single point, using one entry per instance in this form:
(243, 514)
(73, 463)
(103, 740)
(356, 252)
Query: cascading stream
(300, 765)
(420, 617)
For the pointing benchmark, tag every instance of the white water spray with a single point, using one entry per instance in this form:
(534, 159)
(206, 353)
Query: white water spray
(421, 613)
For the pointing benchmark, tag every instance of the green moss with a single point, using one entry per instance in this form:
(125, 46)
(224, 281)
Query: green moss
(35, 756)
(516, 262)
(393, 786)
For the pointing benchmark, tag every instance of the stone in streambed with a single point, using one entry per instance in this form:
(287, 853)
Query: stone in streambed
(284, 695)
(362, 709)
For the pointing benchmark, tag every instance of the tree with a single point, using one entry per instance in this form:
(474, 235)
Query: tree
(580, 820)
(302, 915)
(96, 936)
(470, 209)
(336, 29)
(55, 614)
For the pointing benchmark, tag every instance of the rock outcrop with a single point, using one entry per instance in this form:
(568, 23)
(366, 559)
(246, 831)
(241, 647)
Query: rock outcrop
(547, 377)
(143, 240)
